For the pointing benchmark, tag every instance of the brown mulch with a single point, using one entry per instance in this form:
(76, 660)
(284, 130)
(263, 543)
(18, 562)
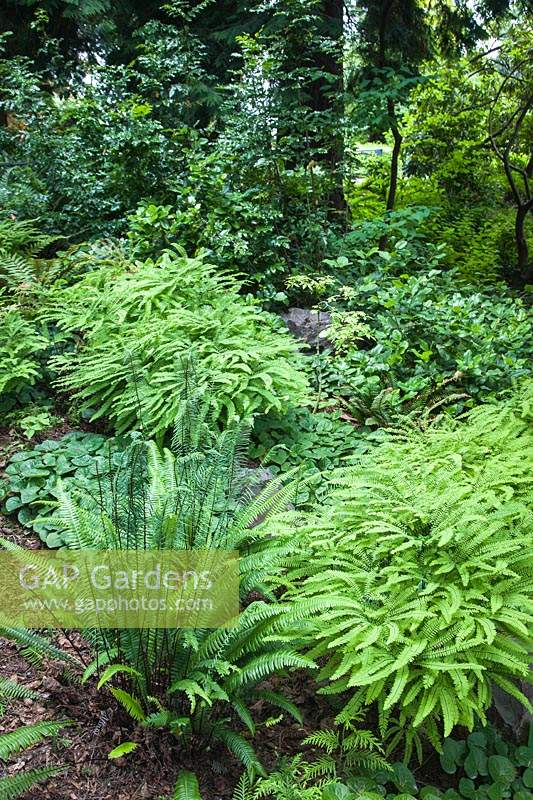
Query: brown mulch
(99, 726)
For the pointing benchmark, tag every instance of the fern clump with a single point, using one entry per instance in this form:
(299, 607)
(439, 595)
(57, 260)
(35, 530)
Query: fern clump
(193, 681)
(20, 345)
(420, 567)
(20, 262)
(139, 324)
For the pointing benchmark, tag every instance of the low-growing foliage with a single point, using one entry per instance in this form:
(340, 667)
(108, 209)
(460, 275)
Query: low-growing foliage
(488, 766)
(316, 442)
(484, 767)
(32, 419)
(337, 754)
(481, 767)
(427, 328)
(78, 460)
(187, 788)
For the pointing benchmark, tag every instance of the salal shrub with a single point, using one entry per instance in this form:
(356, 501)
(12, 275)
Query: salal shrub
(428, 328)
(140, 321)
(416, 574)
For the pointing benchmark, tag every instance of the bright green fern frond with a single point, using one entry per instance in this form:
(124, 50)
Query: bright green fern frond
(15, 786)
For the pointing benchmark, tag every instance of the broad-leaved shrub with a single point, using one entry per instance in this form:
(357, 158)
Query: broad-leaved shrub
(429, 327)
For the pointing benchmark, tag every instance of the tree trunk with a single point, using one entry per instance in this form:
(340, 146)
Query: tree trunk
(394, 166)
(327, 97)
(525, 267)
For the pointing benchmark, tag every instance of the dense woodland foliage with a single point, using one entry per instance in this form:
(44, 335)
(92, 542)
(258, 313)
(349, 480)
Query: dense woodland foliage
(178, 184)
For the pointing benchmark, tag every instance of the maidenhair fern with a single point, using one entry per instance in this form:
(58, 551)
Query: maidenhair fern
(139, 324)
(420, 565)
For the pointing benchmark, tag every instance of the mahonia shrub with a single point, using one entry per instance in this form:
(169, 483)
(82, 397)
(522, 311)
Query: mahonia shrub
(140, 321)
(415, 576)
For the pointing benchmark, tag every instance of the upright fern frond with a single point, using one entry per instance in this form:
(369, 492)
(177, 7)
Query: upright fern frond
(197, 498)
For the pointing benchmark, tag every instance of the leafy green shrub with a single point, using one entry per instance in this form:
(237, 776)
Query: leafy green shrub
(78, 459)
(140, 324)
(427, 328)
(193, 681)
(485, 766)
(86, 159)
(415, 575)
(319, 442)
(409, 249)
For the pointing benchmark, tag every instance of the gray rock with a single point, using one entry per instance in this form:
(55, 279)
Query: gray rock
(512, 711)
(254, 480)
(307, 324)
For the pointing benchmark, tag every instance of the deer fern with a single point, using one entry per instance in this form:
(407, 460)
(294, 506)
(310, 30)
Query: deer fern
(192, 681)
(14, 786)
